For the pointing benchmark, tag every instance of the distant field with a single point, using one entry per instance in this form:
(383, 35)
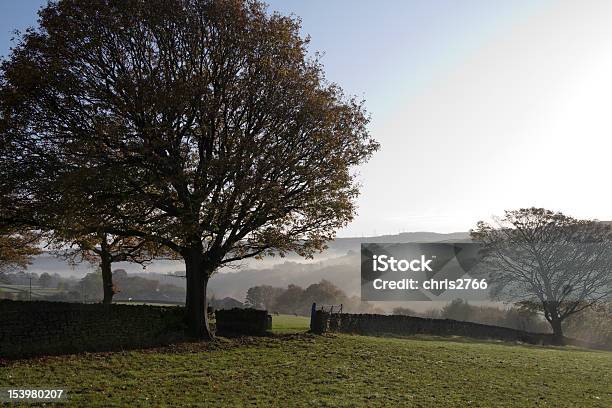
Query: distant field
(290, 324)
(150, 303)
(37, 291)
(341, 370)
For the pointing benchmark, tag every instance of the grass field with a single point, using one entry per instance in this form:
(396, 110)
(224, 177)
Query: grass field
(37, 291)
(298, 369)
(290, 324)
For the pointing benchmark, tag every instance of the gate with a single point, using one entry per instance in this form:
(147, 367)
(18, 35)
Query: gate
(323, 316)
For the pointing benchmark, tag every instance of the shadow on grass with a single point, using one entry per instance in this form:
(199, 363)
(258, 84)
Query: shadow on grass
(219, 343)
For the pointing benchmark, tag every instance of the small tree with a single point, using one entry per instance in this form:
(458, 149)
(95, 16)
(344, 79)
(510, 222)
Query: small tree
(458, 309)
(90, 287)
(546, 259)
(45, 280)
(263, 297)
(291, 300)
(105, 249)
(202, 125)
(593, 325)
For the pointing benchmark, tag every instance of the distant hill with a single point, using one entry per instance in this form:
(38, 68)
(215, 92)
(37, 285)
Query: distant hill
(353, 244)
(47, 262)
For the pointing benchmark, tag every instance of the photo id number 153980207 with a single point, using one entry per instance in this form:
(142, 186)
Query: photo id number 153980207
(21, 394)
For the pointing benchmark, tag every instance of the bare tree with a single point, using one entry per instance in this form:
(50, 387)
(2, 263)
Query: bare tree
(546, 258)
(201, 125)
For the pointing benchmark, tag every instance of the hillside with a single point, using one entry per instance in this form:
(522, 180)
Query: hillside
(344, 245)
(343, 370)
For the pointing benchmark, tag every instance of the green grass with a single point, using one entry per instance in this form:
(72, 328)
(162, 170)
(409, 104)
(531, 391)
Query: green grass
(341, 370)
(290, 324)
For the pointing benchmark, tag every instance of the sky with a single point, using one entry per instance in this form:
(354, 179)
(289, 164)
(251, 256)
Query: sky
(479, 106)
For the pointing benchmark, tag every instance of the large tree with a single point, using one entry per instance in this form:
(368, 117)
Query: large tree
(198, 124)
(546, 259)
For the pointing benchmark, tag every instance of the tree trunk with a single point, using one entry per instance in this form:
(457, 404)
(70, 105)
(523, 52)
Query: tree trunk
(557, 331)
(195, 303)
(107, 279)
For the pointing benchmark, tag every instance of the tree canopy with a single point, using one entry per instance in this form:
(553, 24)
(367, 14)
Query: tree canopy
(202, 125)
(17, 248)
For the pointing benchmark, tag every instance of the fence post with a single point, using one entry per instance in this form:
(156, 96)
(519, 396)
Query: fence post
(313, 312)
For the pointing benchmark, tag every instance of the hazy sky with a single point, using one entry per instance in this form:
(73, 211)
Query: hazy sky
(479, 106)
